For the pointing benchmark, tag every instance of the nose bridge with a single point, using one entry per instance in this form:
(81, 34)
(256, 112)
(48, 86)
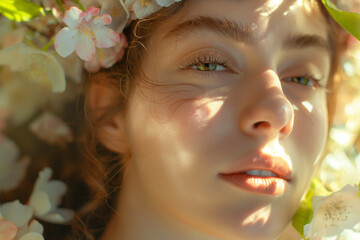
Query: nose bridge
(268, 111)
(268, 79)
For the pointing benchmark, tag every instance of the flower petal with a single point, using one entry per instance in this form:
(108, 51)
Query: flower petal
(32, 236)
(73, 17)
(55, 190)
(334, 214)
(7, 230)
(93, 65)
(144, 11)
(16, 212)
(40, 202)
(103, 19)
(166, 3)
(51, 129)
(73, 66)
(118, 12)
(60, 215)
(90, 13)
(41, 181)
(9, 151)
(65, 41)
(55, 73)
(85, 47)
(105, 37)
(14, 175)
(35, 226)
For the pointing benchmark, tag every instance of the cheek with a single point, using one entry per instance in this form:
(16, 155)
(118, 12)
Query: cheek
(309, 138)
(200, 113)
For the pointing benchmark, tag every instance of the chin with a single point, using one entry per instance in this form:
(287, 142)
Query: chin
(253, 227)
(258, 232)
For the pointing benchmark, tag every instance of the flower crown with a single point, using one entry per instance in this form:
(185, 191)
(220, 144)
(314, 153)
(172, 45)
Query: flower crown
(93, 38)
(95, 43)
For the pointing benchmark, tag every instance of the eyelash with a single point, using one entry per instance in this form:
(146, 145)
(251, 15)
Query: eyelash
(206, 59)
(316, 81)
(212, 59)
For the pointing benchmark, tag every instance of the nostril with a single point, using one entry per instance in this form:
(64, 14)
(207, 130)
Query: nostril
(262, 124)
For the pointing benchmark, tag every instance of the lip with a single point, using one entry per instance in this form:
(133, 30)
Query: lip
(272, 185)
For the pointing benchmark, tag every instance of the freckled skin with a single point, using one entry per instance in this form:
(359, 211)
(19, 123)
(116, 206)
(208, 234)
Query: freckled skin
(172, 188)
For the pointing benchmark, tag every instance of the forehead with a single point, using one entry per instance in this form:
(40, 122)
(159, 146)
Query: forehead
(268, 20)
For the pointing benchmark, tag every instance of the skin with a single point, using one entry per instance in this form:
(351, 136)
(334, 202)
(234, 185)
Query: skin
(198, 124)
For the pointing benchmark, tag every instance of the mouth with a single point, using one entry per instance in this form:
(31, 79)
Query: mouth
(263, 174)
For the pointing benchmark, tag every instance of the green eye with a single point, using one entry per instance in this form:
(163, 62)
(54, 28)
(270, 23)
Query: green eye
(303, 80)
(208, 67)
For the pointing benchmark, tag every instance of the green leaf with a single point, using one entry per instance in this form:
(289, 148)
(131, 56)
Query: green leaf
(304, 213)
(79, 4)
(348, 20)
(20, 10)
(49, 44)
(58, 2)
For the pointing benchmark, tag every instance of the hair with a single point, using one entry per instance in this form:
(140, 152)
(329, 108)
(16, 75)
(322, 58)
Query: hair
(102, 169)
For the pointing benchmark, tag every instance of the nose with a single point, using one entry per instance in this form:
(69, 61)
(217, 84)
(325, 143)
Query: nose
(268, 112)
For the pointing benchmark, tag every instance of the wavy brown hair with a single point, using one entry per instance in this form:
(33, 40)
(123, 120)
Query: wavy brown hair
(101, 169)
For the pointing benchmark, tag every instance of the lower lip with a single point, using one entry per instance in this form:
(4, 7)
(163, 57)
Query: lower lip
(263, 185)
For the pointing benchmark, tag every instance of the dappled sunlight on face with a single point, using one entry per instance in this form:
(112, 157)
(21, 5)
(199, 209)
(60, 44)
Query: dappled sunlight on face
(295, 107)
(275, 149)
(307, 5)
(259, 217)
(308, 106)
(206, 109)
(233, 67)
(269, 7)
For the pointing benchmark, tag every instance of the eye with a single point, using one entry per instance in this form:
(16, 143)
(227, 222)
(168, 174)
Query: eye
(305, 80)
(208, 67)
(208, 62)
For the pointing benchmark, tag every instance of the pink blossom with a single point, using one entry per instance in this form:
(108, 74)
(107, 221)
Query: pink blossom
(51, 129)
(107, 57)
(85, 31)
(7, 230)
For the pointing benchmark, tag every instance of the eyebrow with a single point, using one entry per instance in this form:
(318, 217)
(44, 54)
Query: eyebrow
(243, 33)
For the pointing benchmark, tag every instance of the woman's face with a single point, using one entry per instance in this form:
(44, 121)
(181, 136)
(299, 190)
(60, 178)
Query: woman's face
(228, 133)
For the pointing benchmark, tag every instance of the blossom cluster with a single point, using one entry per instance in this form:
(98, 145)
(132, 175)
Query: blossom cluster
(44, 47)
(17, 220)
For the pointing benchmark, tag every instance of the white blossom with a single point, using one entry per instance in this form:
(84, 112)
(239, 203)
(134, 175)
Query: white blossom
(12, 170)
(40, 67)
(335, 216)
(119, 13)
(337, 170)
(140, 9)
(21, 216)
(166, 3)
(46, 196)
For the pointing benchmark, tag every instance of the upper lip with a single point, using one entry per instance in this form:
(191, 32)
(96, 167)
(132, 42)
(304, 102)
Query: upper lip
(262, 161)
